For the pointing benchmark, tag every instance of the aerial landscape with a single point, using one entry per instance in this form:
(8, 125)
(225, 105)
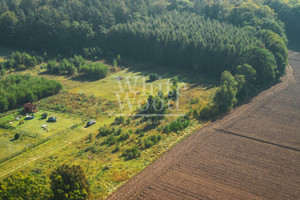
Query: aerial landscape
(149, 99)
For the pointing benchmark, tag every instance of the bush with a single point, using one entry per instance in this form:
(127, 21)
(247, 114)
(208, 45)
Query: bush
(151, 141)
(2, 71)
(208, 112)
(114, 63)
(17, 60)
(154, 77)
(123, 137)
(132, 153)
(95, 70)
(177, 125)
(116, 149)
(119, 120)
(104, 131)
(20, 187)
(118, 131)
(17, 136)
(110, 140)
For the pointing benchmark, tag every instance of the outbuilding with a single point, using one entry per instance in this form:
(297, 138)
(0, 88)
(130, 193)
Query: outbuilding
(29, 108)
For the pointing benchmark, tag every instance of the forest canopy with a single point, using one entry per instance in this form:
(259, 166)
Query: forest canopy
(207, 36)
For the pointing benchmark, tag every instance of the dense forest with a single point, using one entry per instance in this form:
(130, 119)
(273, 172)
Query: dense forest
(209, 37)
(62, 26)
(15, 90)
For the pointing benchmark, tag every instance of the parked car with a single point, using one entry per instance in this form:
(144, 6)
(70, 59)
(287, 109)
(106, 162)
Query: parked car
(90, 123)
(29, 117)
(52, 119)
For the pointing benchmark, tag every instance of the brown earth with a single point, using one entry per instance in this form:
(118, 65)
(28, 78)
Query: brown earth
(252, 153)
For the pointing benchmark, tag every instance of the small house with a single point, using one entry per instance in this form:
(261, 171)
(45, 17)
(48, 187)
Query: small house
(29, 108)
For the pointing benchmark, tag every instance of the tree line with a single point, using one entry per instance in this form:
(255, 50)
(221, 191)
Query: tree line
(76, 65)
(208, 46)
(71, 26)
(289, 13)
(18, 60)
(16, 90)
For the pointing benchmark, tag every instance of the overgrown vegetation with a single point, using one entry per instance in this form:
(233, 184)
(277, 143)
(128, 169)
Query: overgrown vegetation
(76, 65)
(15, 90)
(23, 187)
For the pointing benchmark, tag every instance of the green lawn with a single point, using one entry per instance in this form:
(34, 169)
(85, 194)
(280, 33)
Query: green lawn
(34, 127)
(8, 146)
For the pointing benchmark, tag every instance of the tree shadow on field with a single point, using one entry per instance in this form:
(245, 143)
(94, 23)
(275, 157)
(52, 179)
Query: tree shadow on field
(166, 72)
(84, 78)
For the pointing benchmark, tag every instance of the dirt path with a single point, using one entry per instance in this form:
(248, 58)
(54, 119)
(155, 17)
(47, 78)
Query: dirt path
(214, 165)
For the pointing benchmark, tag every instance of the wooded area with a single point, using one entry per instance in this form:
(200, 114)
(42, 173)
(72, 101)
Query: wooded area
(208, 37)
(15, 90)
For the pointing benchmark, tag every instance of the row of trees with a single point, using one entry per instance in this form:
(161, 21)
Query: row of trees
(18, 60)
(76, 65)
(16, 90)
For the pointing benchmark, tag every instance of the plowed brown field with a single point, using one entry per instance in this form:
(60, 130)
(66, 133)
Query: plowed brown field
(252, 153)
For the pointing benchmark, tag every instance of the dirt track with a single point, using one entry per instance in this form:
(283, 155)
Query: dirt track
(252, 153)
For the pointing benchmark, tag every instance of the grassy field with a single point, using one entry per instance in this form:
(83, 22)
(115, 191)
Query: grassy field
(82, 100)
(9, 146)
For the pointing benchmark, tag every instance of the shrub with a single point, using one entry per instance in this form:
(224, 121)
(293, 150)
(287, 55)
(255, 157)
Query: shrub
(17, 136)
(154, 77)
(17, 60)
(123, 137)
(95, 70)
(90, 137)
(114, 63)
(119, 120)
(132, 153)
(104, 131)
(116, 149)
(118, 131)
(194, 101)
(208, 112)
(20, 187)
(177, 125)
(151, 141)
(110, 140)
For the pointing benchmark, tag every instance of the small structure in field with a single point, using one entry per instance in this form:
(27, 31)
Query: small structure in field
(29, 108)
